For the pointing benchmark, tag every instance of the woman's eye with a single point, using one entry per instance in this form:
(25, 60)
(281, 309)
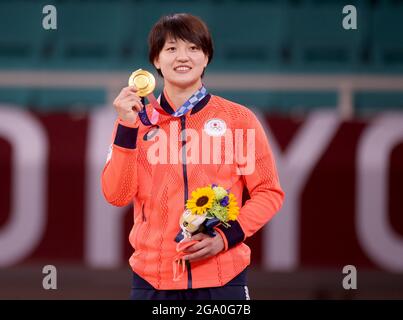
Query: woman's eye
(194, 48)
(171, 49)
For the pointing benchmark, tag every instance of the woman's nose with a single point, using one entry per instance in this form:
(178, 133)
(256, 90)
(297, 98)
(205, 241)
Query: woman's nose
(182, 55)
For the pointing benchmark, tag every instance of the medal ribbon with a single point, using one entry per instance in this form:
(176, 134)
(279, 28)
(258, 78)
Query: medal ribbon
(182, 110)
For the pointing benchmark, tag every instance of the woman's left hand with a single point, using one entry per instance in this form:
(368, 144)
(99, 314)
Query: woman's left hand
(205, 248)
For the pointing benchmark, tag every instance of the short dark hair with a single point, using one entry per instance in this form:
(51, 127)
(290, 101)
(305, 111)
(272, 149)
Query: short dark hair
(182, 26)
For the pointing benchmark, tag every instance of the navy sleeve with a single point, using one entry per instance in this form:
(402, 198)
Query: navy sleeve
(234, 234)
(126, 137)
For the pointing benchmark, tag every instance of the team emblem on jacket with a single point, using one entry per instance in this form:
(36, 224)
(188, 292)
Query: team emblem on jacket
(215, 127)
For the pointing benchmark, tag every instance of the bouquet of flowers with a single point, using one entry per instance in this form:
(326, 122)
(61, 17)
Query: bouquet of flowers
(208, 207)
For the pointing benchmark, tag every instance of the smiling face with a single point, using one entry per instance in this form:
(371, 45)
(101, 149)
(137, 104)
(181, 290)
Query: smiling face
(181, 63)
(180, 47)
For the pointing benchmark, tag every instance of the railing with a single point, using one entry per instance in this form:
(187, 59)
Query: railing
(112, 82)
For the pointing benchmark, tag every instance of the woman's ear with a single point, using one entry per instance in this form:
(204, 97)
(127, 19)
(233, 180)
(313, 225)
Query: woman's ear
(157, 63)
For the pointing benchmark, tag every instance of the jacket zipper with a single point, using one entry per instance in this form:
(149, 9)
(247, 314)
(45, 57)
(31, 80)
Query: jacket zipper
(186, 191)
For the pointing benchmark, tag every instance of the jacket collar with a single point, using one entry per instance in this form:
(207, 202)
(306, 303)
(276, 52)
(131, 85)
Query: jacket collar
(199, 106)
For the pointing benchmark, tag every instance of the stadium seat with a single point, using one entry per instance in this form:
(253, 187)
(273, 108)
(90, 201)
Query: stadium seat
(282, 102)
(17, 96)
(366, 102)
(301, 101)
(387, 44)
(88, 35)
(320, 43)
(66, 99)
(21, 34)
(248, 36)
(51, 99)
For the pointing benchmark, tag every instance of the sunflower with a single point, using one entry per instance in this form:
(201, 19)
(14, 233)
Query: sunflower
(233, 209)
(202, 200)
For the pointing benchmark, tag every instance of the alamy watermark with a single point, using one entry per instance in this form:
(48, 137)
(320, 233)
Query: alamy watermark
(50, 279)
(350, 20)
(350, 280)
(49, 21)
(230, 147)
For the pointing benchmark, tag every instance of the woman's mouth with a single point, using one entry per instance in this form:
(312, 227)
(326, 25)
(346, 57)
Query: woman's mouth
(182, 69)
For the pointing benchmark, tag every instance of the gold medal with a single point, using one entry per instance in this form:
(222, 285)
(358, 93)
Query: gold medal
(144, 82)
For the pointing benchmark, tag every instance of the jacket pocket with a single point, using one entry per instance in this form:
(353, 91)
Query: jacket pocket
(141, 222)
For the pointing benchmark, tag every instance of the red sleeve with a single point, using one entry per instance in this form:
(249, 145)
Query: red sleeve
(262, 182)
(119, 176)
